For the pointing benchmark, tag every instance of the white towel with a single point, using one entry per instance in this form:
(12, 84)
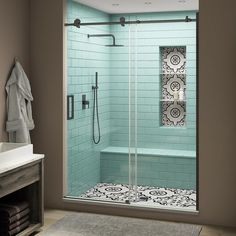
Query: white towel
(19, 111)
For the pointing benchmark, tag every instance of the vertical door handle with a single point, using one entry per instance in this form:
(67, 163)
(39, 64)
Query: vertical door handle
(70, 107)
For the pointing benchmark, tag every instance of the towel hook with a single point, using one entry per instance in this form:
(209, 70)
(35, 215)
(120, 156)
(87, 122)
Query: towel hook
(16, 59)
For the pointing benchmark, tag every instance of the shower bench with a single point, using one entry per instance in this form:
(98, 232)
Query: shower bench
(152, 152)
(155, 167)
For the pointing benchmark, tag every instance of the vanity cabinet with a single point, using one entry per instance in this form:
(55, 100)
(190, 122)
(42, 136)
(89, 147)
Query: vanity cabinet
(25, 182)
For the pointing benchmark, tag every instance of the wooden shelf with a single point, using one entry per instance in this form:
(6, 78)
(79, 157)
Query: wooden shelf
(26, 182)
(29, 230)
(172, 73)
(172, 100)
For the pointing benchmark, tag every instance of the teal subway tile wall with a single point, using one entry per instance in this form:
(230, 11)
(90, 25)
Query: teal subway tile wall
(87, 163)
(150, 37)
(85, 58)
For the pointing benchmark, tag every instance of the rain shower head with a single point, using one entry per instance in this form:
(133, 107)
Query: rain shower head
(114, 45)
(106, 35)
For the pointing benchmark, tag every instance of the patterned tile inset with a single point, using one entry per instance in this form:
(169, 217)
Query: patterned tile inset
(151, 196)
(173, 81)
(173, 60)
(173, 113)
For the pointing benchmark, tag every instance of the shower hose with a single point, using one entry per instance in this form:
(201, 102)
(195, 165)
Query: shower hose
(95, 113)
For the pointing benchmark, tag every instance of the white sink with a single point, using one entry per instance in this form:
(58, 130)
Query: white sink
(9, 149)
(13, 154)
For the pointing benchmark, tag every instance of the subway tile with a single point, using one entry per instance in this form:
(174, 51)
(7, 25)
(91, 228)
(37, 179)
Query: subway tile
(85, 57)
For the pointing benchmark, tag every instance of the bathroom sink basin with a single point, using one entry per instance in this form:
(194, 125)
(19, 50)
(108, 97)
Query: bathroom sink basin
(10, 146)
(12, 154)
(15, 148)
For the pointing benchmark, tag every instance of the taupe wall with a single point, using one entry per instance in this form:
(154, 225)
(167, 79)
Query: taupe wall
(47, 79)
(217, 133)
(14, 41)
(217, 123)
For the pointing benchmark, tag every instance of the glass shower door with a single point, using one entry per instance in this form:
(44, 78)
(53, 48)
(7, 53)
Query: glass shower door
(165, 115)
(97, 171)
(133, 145)
(119, 161)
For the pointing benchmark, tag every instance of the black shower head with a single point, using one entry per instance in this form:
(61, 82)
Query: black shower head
(106, 35)
(114, 45)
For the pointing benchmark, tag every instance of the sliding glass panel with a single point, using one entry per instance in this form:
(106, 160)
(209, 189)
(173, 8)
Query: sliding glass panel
(133, 111)
(98, 107)
(115, 158)
(166, 114)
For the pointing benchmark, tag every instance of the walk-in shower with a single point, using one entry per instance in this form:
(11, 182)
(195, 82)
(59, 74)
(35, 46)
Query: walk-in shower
(136, 144)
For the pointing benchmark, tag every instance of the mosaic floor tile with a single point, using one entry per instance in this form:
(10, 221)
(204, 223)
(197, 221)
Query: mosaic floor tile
(149, 196)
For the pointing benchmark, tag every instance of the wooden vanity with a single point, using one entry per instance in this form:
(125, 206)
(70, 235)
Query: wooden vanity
(24, 180)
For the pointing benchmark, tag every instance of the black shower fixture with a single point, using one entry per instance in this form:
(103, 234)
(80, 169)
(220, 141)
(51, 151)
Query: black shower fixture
(95, 111)
(77, 22)
(106, 35)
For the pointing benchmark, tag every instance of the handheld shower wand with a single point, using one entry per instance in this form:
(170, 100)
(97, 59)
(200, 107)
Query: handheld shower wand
(95, 110)
(96, 81)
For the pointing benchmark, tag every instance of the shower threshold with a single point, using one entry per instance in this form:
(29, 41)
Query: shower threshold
(156, 197)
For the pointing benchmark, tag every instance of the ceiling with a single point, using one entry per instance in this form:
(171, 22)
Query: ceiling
(137, 6)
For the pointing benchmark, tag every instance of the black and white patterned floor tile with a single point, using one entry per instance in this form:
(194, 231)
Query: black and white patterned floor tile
(151, 196)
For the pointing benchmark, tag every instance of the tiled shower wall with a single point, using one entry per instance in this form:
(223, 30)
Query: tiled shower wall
(85, 57)
(150, 37)
(89, 55)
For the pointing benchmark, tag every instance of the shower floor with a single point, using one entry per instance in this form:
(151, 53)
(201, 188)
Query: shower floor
(148, 196)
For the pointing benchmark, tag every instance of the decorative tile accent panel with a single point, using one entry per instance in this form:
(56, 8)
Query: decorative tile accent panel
(173, 67)
(170, 82)
(173, 60)
(173, 113)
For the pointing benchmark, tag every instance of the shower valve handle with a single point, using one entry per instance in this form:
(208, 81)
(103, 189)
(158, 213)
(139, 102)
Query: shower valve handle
(85, 102)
